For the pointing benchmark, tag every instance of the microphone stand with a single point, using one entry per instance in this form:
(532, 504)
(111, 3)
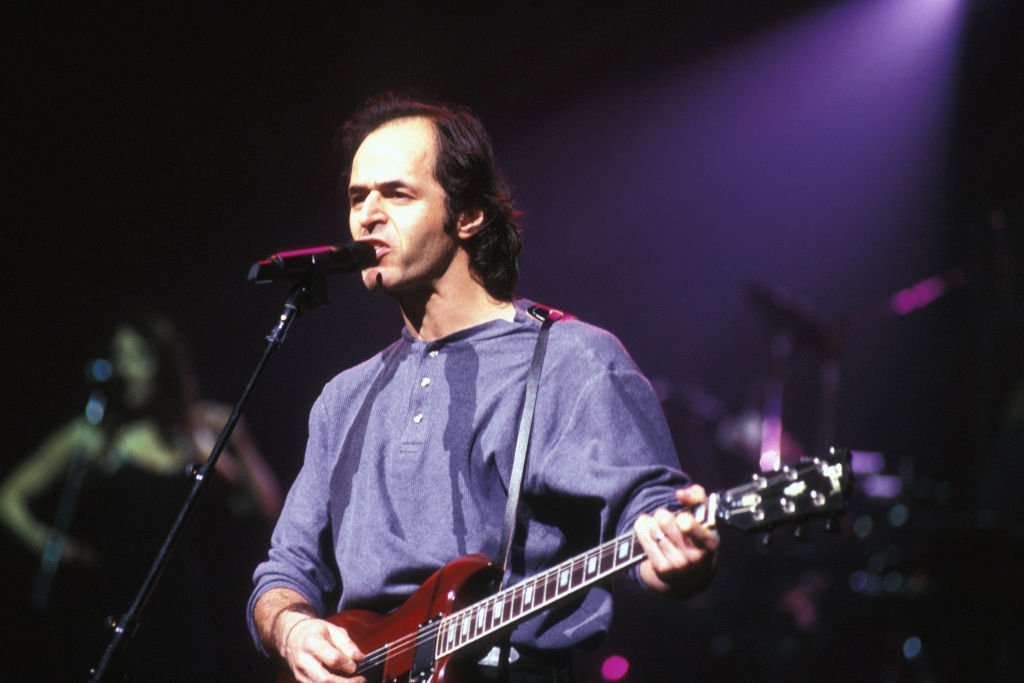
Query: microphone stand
(95, 411)
(310, 291)
(54, 548)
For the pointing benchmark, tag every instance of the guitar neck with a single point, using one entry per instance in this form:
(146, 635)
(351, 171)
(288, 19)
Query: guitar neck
(511, 605)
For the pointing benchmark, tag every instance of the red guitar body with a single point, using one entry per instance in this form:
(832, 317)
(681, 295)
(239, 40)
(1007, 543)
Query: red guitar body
(389, 641)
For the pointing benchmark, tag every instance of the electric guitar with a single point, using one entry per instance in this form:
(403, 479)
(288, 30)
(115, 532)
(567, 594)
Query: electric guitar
(450, 618)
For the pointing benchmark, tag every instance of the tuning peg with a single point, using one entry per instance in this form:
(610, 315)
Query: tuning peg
(832, 524)
(798, 533)
(765, 539)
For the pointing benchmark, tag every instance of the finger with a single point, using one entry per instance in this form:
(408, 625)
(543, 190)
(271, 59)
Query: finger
(670, 552)
(340, 640)
(650, 535)
(697, 535)
(344, 642)
(691, 495)
(309, 669)
(330, 657)
(315, 654)
(675, 547)
(697, 538)
(668, 535)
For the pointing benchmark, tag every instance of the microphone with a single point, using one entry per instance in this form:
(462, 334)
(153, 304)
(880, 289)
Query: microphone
(300, 263)
(99, 373)
(99, 370)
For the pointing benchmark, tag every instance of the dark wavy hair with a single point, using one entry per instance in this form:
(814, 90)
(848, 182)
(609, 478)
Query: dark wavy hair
(467, 170)
(175, 385)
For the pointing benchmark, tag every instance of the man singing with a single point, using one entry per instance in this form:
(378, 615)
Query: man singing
(409, 456)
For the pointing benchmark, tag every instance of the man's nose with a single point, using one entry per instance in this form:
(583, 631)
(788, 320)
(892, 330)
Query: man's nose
(371, 213)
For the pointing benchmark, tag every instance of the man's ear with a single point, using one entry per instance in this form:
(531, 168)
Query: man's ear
(469, 224)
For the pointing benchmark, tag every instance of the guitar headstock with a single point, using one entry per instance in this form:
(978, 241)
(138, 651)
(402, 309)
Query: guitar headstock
(814, 487)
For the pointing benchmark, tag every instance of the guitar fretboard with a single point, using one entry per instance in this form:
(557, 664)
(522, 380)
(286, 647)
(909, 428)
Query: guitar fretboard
(538, 592)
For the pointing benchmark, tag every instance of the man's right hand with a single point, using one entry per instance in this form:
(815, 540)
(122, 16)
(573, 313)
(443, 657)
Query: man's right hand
(317, 651)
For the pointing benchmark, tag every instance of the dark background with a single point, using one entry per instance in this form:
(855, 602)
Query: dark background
(667, 160)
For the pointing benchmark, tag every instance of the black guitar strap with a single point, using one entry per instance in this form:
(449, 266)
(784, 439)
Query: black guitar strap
(547, 316)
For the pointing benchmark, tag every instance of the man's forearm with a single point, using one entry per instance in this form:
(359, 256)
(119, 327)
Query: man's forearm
(276, 612)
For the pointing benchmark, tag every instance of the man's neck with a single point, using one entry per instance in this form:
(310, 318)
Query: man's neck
(450, 308)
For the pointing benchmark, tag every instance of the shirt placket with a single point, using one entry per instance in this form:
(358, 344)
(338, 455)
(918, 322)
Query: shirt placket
(420, 417)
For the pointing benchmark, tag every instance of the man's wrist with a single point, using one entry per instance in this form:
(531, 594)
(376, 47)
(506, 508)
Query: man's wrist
(286, 625)
(275, 611)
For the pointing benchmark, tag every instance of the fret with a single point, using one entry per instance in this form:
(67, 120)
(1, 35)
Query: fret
(607, 558)
(498, 610)
(577, 572)
(592, 566)
(480, 621)
(484, 616)
(546, 587)
(563, 579)
(536, 592)
(450, 638)
(527, 596)
(516, 608)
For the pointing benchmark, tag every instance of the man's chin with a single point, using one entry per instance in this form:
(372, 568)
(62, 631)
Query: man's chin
(373, 279)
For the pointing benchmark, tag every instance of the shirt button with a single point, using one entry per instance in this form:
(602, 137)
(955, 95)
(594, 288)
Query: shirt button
(433, 353)
(417, 418)
(425, 382)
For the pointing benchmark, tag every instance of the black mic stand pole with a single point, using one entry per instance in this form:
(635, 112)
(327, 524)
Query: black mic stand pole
(310, 291)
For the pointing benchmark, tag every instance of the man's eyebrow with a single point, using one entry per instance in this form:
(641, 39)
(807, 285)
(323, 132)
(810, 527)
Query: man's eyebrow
(386, 185)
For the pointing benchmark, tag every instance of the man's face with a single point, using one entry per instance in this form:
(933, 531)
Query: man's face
(398, 206)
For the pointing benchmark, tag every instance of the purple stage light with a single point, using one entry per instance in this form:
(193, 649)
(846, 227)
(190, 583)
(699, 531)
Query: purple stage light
(813, 157)
(885, 486)
(866, 462)
(918, 296)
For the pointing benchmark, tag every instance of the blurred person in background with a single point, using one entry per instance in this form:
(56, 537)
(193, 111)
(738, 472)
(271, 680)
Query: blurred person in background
(117, 475)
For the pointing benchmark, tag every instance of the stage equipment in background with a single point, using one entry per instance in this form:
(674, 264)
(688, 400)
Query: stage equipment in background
(795, 327)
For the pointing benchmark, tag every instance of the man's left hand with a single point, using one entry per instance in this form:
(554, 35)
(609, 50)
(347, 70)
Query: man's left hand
(681, 553)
